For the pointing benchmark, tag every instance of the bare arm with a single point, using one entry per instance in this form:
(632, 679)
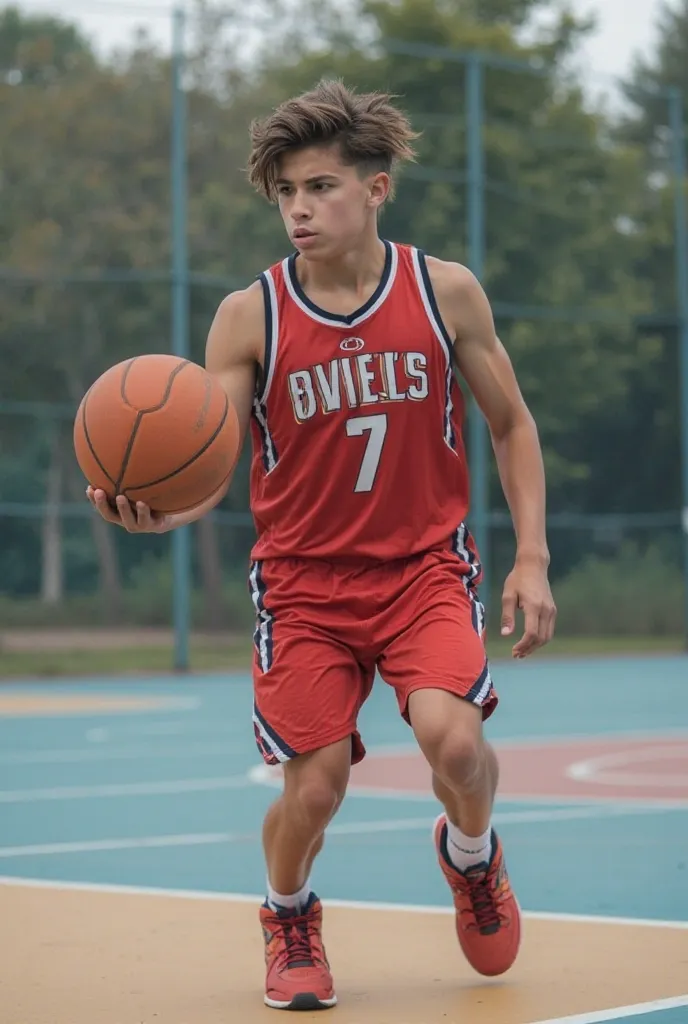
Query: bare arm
(234, 349)
(488, 371)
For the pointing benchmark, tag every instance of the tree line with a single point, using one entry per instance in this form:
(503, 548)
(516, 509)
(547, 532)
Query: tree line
(579, 238)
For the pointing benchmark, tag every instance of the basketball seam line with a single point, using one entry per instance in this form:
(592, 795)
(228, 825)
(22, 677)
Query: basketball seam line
(196, 455)
(88, 438)
(139, 417)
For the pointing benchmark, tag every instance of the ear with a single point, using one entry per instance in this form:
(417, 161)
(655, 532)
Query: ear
(379, 189)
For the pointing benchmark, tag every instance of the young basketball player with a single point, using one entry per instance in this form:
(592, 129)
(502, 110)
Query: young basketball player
(341, 359)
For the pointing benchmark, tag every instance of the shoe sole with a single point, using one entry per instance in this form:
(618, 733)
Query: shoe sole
(302, 1001)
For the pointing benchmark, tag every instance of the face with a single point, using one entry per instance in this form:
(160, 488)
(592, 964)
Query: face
(326, 205)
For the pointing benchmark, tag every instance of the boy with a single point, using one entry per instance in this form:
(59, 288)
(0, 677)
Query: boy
(340, 360)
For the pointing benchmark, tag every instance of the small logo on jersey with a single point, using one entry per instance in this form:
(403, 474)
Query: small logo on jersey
(352, 344)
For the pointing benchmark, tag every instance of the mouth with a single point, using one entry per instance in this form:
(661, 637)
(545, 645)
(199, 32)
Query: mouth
(301, 233)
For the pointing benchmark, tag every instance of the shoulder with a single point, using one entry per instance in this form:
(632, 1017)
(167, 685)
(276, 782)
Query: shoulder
(450, 279)
(243, 308)
(460, 297)
(237, 333)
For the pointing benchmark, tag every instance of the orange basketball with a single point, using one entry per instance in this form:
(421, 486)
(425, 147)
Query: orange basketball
(157, 429)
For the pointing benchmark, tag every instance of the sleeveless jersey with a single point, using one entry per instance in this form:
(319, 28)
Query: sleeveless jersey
(357, 423)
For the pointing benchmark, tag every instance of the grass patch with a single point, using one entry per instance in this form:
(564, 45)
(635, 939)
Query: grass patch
(207, 655)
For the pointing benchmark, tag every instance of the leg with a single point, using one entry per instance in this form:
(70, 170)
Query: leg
(465, 770)
(298, 976)
(293, 831)
(308, 690)
(438, 667)
(464, 766)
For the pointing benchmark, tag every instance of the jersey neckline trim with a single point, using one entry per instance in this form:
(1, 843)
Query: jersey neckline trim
(369, 307)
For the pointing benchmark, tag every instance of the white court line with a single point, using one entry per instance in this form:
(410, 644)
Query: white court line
(77, 755)
(210, 895)
(620, 1012)
(137, 843)
(337, 829)
(662, 803)
(596, 769)
(25, 796)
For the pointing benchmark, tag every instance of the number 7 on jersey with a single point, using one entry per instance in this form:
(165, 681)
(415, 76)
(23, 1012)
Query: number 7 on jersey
(377, 428)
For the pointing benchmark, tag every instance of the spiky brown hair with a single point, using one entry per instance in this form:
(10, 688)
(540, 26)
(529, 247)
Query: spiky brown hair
(372, 134)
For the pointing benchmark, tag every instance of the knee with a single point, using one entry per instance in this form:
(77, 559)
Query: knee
(315, 800)
(456, 756)
(449, 732)
(315, 789)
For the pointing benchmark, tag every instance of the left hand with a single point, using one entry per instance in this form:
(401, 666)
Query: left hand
(527, 587)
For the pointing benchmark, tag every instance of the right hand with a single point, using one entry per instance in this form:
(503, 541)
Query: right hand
(135, 518)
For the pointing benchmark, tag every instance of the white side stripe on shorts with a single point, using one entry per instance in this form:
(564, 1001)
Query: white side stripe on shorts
(262, 636)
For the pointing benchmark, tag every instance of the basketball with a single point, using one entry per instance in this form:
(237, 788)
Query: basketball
(157, 429)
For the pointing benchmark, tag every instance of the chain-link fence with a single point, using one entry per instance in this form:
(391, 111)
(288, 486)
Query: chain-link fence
(574, 220)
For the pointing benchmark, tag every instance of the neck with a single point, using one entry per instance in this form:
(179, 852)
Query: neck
(353, 270)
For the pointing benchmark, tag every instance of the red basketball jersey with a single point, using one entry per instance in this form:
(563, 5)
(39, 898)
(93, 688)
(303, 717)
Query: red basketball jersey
(357, 425)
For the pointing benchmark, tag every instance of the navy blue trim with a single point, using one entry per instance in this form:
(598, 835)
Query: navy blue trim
(283, 747)
(425, 274)
(474, 691)
(473, 563)
(448, 425)
(474, 613)
(261, 384)
(267, 355)
(264, 617)
(266, 441)
(342, 318)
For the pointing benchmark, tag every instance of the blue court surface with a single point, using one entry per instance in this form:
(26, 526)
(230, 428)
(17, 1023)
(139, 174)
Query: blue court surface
(158, 784)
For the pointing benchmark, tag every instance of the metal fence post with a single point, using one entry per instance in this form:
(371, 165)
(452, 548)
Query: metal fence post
(678, 144)
(475, 201)
(181, 540)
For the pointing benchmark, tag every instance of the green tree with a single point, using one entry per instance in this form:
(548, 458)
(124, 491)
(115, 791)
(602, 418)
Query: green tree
(649, 423)
(39, 50)
(574, 222)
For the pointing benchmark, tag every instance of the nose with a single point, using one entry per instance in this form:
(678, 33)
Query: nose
(300, 207)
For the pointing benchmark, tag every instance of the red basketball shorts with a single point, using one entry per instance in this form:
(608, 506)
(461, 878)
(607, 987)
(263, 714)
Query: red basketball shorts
(323, 628)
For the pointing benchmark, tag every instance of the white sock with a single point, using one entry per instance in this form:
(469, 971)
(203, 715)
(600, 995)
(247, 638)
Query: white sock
(466, 851)
(296, 901)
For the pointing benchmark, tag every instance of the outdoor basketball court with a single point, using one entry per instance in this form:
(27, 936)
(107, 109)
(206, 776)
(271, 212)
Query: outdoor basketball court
(131, 864)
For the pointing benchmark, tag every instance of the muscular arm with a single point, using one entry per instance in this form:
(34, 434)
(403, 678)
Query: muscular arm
(234, 349)
(487, 369)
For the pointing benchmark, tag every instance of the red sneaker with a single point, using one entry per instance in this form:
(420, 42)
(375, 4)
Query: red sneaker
(298, 974)
(488, 917)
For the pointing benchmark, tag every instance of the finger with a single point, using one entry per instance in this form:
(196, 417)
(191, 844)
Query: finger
(91, 495)
(529, 640)
(544, 626)
(144, 517)
(103, 506)
(509, 603)
(126, 514)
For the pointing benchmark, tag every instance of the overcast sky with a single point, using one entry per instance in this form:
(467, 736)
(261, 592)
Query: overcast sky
(625, 26)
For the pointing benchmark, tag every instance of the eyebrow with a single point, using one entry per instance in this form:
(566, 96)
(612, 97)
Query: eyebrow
(309, 181)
